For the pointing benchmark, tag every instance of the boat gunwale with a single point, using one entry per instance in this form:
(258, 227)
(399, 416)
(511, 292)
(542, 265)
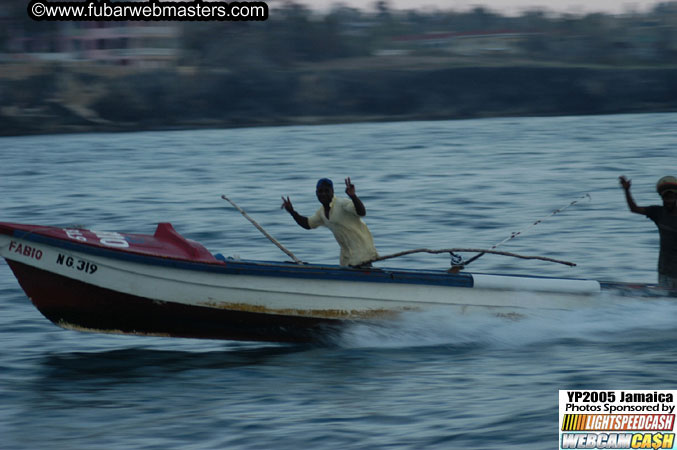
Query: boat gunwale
(286, 269)
(222, 265)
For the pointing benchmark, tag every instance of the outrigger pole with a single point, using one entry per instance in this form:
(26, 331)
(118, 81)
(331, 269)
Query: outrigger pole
(265, 233)
(492, 249)
(462, 250)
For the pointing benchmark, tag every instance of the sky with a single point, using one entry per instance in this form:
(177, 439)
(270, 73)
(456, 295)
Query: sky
(506, 7)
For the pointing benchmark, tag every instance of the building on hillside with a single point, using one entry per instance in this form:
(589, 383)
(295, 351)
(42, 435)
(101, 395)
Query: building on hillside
(474, 43)
(134, 43)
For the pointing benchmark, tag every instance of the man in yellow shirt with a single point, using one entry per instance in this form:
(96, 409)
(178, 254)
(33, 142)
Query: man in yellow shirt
(343, 218)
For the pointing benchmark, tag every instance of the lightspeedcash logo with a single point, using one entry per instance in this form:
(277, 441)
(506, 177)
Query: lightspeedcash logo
(617, 419)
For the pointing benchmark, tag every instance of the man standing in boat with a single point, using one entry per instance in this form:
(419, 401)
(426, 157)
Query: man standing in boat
(343, 218)
(665, 218)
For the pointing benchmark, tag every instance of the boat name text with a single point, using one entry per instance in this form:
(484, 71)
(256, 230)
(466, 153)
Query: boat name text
(78, 264)
(25, 250)
(107, 238)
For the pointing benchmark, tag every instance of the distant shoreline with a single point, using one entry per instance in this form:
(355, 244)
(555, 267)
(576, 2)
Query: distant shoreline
(291, 123)
(68, 101)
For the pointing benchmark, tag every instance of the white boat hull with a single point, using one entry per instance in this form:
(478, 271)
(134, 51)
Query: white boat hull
(174, 287)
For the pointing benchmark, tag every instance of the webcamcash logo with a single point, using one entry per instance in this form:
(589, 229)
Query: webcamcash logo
(617, 419)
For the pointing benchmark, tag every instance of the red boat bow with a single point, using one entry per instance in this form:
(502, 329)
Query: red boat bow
(165, 243)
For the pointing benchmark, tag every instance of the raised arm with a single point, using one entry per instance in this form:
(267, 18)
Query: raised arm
(301, 220)
(359, 206)
(625, 184)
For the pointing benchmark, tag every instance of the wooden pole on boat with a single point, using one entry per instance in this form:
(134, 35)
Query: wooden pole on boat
(472, 250)
(517, 233)
(265, 233)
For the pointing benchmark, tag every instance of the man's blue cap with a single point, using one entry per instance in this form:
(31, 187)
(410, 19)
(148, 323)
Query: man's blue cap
(322, 181)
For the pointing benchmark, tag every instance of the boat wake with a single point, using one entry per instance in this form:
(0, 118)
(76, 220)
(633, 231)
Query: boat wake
(613, 320)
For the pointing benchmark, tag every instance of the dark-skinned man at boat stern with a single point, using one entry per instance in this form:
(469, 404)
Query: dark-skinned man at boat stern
(665, 218)
(343, 217)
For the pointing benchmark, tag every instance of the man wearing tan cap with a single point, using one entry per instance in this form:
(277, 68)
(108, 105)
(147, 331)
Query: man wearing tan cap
(665, 218)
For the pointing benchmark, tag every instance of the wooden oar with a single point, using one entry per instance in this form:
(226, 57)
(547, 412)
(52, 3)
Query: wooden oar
(265, 233)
